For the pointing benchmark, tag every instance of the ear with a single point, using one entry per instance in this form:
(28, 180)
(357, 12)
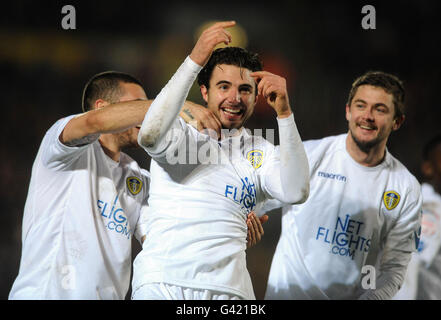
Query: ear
(348, 112)
(204, 92)
(99, 103)
(398, 121)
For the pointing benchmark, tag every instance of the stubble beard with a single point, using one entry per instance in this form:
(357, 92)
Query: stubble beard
(365, 146)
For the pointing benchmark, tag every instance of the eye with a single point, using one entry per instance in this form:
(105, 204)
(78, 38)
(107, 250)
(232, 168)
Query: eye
(245, 89)
(223, 87)
(382, 110)
(359, 106)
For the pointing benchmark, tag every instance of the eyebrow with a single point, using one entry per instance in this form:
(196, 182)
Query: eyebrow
(376, 105)
(241, 86)
(223, 81)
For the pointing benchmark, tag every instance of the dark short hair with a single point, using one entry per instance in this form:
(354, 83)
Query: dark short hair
(231, 56)
(388, 82)
(106, 86)
(430, 146)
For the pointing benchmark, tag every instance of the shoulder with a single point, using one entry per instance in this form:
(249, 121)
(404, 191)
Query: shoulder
(256, 144)
(318, 149)
(325, 143)
(56, 129)
(401, 173)
(403, 182)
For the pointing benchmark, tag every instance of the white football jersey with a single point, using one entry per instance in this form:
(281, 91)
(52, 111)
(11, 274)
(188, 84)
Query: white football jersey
(80, 215)
(196, 224)
(423, 277)
(356, 221)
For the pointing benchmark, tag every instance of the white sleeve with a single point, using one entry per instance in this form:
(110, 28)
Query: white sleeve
(141, 226)
(164, 110)
(56, 155)
(430, 235)
(401, 241)
(409, 288)
(286, 178)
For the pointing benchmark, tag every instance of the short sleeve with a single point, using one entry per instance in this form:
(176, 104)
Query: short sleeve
(56, 155)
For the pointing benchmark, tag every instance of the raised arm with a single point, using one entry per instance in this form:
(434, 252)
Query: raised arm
(167, 105)
(108, 119)
(289, 182)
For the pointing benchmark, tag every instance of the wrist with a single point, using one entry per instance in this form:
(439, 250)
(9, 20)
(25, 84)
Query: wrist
(284, 114)
(196, 59)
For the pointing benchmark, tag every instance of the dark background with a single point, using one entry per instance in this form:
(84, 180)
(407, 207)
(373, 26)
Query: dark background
(319, 46)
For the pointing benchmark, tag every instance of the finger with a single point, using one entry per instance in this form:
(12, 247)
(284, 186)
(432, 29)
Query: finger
(252, 232)
(263, 218)
(255, 222)
(210, 121)
(217, 36)
(260, 86)
(259, 226)
(263, 86)
(260, 74)
(270, 92)
(223, 24)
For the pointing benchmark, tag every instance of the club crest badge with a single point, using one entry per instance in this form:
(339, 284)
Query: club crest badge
(255, 157)
(134, 185)
(391, 199)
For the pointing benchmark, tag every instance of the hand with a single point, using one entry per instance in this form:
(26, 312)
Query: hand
(273, 88)
(255, 229)
(200, 117)
(209, 39)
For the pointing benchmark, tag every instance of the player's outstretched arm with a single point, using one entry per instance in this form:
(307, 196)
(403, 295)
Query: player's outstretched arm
(292, 183)
(167, 105)
(108, 119)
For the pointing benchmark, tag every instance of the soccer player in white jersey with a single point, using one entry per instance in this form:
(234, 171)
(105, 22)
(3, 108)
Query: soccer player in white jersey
(85, 198)
(196, 231)
(353, 237)
(423, 277)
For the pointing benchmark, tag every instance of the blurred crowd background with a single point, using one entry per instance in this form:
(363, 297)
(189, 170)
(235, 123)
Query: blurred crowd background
(319, 46)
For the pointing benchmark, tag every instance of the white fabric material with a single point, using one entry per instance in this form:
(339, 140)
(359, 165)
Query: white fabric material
(294, 169)
(345, 225)
(423, 277)
(78, 222)
(196, 222)
(196, 234)
(163, 291)
(165, 108)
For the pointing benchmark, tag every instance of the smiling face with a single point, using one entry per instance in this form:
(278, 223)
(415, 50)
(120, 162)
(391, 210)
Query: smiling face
(371, 117)
(231, 95)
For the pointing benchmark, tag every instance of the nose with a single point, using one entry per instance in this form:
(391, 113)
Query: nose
(369, 114)
(233, 96)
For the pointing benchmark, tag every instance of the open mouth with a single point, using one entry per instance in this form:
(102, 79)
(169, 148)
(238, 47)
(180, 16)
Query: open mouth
(231, 112)
(369, 128)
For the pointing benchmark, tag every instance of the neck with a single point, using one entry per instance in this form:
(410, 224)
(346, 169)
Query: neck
(368, 158)
(110, 146)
